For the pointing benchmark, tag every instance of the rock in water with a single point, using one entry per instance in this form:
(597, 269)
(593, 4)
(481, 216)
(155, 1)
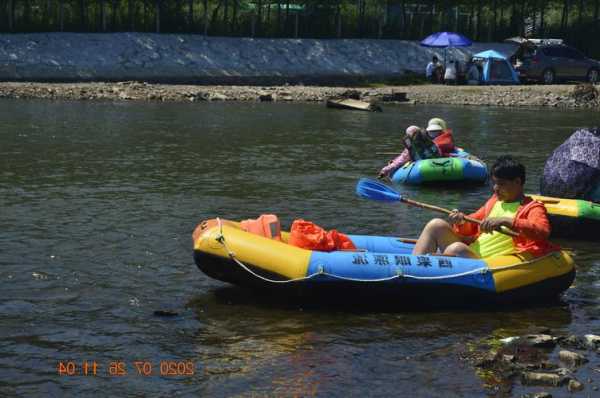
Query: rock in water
(571, 358)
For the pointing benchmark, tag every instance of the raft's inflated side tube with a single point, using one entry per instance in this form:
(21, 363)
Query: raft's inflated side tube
(381, 265)
(459, 167)
(572, 218)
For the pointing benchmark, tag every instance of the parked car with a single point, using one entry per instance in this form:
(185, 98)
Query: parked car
(550, 60)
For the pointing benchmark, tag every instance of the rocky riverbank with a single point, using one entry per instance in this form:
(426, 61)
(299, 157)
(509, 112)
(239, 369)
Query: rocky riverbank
(562, 96)
(547, 361)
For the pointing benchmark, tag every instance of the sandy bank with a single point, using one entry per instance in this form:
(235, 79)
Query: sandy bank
(562, 96)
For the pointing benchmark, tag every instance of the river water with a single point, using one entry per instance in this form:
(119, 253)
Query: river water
(98, 201)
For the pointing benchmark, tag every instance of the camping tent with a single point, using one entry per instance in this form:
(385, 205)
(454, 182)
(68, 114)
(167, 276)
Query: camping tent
(496, 68)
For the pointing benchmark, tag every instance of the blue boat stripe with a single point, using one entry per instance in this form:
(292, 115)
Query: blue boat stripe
(365, 266)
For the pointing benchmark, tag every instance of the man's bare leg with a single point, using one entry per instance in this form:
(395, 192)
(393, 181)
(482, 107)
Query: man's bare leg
(460, 249)
(437, 234)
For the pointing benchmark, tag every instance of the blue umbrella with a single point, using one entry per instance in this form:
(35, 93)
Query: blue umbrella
(446, 39)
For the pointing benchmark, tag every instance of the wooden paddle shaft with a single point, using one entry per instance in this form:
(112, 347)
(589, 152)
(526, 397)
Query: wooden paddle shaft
(505, 231)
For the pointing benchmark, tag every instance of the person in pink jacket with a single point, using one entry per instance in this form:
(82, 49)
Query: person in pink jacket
(401, 159)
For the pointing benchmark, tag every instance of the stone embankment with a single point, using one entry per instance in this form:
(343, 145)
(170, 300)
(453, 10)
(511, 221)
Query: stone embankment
(561, 96)
(132, 66)
(197, 59)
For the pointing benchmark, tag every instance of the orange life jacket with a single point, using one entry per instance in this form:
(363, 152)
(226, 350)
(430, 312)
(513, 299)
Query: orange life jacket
(531, 222)
(308, 235)
(445, 142)
(266, 225)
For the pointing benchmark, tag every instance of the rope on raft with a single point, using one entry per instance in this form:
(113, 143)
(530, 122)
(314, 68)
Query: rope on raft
(483, 270)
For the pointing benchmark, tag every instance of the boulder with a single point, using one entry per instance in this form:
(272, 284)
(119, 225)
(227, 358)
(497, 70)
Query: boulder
(541, 379)
(592, 341)
(575, 386)
(571, 358)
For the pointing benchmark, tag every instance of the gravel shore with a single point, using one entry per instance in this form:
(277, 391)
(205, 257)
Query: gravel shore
(562, 96)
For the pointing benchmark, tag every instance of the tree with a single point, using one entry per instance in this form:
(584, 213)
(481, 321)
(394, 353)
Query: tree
(205, 17)
(234, 15)
(542, 17)
(361, 17)
(11, 15)
(131, 14)
(114, 13)
(157, 14)
(479, 29)
(338, 19)
(82, 15)
(564, 20)
(102, 15)
(581, 10)
(279, 17)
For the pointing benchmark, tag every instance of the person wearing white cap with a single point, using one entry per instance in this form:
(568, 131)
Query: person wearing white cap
(438, 131)
(438, 121)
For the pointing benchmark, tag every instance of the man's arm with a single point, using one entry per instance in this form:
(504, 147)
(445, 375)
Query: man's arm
(536, 226)
(469, 228)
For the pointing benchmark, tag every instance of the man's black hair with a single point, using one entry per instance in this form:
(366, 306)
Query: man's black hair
(435, 57)
(508, 169)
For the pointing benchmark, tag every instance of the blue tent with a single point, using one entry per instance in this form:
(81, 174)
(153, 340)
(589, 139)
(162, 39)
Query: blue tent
(496, 68)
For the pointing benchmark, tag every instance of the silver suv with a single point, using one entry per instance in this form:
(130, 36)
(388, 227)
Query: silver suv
(550, 60)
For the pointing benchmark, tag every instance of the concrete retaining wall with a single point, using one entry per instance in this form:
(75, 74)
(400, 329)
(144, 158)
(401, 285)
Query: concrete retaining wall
(212, 60)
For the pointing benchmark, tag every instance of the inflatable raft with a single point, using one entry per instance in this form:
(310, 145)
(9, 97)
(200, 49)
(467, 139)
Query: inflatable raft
(461, 166)
(572, 218)
(382, 266)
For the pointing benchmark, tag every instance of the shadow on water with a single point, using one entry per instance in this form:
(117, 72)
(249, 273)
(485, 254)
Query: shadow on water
(242, 300)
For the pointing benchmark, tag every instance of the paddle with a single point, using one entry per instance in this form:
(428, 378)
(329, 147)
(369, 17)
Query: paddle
(371, 189)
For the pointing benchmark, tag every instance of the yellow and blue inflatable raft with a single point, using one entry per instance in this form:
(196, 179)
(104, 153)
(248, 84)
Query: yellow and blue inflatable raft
(380, 267)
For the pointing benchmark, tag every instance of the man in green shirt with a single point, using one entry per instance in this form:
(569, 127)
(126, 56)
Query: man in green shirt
(507, 208)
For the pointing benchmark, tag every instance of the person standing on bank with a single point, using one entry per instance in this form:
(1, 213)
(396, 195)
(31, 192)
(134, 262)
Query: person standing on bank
(431, 70)
(473, 75)
(507, 208)
(450, 73)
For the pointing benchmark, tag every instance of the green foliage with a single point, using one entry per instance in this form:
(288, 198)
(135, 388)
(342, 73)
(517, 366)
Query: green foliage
(490, 20)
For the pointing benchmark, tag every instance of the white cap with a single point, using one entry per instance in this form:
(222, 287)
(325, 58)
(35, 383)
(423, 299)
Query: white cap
(434, 127)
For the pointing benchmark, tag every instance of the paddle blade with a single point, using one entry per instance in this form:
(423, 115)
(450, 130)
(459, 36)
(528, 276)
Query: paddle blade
(371, 189)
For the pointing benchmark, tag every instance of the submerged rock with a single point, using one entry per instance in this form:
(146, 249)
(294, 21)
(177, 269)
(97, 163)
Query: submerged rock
(575, 385)
(541, 379)
(571, 358)
(592, 341)
(572, 341)
(542, 394)
(540, 340)
(533, 340)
